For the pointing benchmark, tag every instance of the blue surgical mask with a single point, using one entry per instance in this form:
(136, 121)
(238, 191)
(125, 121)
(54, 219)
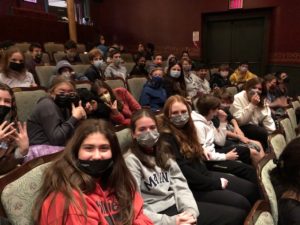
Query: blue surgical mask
(175, 73)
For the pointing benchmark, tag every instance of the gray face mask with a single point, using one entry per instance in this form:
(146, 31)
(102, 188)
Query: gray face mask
(148, 139)
(180, 120)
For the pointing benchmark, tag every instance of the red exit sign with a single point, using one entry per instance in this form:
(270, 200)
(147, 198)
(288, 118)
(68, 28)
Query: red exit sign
(236, 4)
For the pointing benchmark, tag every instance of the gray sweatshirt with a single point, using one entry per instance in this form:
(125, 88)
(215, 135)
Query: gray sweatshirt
(161, 189)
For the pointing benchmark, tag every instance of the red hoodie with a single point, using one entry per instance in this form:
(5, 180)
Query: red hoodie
(102, 208)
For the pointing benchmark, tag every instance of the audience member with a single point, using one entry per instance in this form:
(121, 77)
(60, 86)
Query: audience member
(169, 199)
(14, 141)
(156, 62)
(119, 101)
(252, 113)
(171, 60)
(153, 94)
(115, 68)
(72, 55)
(192, 81)
(202, 72)
(13, 71)
(282, 82)
(285, 177)
(174, 83)
(102, 46)
(54, 118)
(64, 69)
(95, 71)
(35, 58)
(221, 79)
(139, 68)
(180, 135)
(241, 75)
(90, 183)
(150, 48)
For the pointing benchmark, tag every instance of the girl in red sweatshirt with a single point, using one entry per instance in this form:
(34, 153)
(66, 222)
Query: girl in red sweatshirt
(90, 183)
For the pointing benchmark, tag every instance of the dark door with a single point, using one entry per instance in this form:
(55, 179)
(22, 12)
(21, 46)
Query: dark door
(232, 39)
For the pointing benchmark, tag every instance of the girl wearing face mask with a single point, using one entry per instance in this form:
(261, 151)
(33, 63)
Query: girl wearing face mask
(207, 186)
(90, 183)
(153, 94)
(120, 103)
(54, 118)
(220, 79)
(167, 197)
(96, 70)
(14, 73)
(192, 81)
(174, 83)
(252, 113)
(14, 141)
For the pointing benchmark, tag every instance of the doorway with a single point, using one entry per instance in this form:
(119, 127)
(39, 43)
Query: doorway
(234, 37)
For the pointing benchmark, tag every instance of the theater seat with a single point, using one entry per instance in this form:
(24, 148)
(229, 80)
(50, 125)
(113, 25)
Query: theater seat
(23, 46)
(124, 137)
(80, 68)
(84, 58)
(286, 126)
(44, 73)
(265, 166)
(20, 188)
(26, 99)
(292, 116)
(260, 214)
(277, 143)
(81, 48)
(135, 86)
(115, 82)
(58, 56)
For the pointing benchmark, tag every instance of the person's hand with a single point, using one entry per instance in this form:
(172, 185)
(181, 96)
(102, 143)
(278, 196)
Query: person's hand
(238, 131)
(244, 139)
(224, 183)
(255, 99)
(222, 116)
(113, 106)
(206, 154)
(232, 155)
(185, 218)
(6, 129)
(21, 138)
(78, 112)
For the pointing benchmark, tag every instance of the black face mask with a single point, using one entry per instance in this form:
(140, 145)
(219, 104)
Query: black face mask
(66, 100)
(38, 58)
(17, 66)
(95, 168)
(286, 80)
(4, 110)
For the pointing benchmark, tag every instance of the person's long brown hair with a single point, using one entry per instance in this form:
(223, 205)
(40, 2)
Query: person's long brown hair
(64, 176)
(162, 153)
(187, 135)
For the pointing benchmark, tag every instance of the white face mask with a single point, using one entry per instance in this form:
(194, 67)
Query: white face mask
(98, 63)
(175, 73)
(68, 75)
(224, 73)
(180, 120)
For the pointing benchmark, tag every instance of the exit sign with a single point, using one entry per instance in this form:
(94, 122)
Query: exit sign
(236, 4)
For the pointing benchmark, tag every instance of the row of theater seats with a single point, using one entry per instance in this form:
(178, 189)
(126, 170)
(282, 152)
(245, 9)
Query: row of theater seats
(26, 98)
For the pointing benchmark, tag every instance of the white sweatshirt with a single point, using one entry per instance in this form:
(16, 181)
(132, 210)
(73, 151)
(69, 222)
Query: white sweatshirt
(247, 113)
(208, 134)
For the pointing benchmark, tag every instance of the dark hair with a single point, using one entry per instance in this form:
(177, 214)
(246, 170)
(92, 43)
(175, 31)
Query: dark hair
(113, 52)
(34, 45)
(206, 103)
(5, 61)
(187, 136)
(101, 84)
(70, 44)
(287, 171)
(202, 66)
(252, 83)
(269, 77)
(63, 176)
(13, 110)
(162, 153)
(85, 96)
(224, 67)
(223, 94)
(180, 80)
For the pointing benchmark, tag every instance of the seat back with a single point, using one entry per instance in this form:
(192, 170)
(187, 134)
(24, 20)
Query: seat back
(51, 47)
(115, 82)
(44, 73)
(292, 116)
(124, 138)
(232, 90)
(23, 46)
(265, 166)
(135, 86)
(129, 66)
(80, 68)
(58, 56)
(277, 143)
(296, 104)
(127, 57)
(286, 126)
(260, 214)
(83, 84)
(20, 188)
(45, 57)
(26, 99)
(84, 58)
